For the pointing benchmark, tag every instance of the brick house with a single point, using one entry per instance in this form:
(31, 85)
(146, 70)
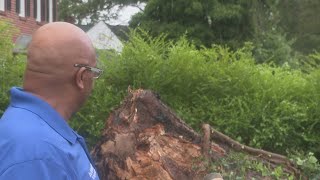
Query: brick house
(28, 15)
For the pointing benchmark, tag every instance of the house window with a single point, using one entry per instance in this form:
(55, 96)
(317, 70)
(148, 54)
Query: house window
(54, 9)
(47, 10)
(2, 5)
(43, 10)
(5, 5)
(28, 4)
(8, 5)
(35, 8)
(20, 7)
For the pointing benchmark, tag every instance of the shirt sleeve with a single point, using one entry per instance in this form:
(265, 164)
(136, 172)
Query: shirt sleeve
(35, 170)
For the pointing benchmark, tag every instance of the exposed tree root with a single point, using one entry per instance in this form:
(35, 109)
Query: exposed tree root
(276, 159)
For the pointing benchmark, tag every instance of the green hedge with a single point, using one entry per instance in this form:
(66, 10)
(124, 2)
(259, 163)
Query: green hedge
(11, 67)
(274, 108)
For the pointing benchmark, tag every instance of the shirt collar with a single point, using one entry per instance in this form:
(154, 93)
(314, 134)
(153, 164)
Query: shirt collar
(28, 101)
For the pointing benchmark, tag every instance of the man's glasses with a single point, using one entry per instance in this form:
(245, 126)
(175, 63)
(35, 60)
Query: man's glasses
(96, 71)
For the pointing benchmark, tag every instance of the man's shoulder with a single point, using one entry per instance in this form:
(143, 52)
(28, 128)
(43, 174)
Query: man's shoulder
(24, 149)
(23, 127)
(19, 119)
(18, 150)
(33, 158)
(31, 140)
(25, 137)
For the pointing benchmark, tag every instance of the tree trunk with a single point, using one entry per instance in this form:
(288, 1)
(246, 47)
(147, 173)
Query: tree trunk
(144, 139)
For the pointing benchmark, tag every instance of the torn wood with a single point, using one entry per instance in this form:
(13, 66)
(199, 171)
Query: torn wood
(144, 139)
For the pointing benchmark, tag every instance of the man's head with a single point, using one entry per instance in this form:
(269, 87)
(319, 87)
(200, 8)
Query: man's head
(51, 73)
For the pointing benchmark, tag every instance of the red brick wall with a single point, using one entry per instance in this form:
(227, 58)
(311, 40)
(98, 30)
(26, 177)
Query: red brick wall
(26, 25)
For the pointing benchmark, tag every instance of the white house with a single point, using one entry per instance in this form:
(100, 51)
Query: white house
(103, 38)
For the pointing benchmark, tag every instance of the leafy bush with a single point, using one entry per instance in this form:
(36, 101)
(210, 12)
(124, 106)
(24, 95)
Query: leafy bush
(274, 108)
(308, 164)
(11, 66)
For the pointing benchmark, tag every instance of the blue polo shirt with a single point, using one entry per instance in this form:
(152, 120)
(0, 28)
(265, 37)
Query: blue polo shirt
(36, 143)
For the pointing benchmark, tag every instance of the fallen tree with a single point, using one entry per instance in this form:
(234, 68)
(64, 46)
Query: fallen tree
(144, 139)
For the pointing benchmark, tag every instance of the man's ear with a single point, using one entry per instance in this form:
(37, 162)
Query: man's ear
(80, 77)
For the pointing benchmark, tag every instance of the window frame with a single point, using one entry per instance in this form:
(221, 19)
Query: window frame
(27, 8)
(42, 10)
(20, 8)
(3, 5)
(8, 5)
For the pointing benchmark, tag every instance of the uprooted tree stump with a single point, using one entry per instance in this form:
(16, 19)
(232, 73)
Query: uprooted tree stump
(144, 139)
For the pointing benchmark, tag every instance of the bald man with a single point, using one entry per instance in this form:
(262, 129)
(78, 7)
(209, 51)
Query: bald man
(36, 143)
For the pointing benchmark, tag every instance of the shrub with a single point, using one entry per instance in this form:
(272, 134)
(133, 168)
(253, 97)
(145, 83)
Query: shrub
(274, 108)
(11, 66)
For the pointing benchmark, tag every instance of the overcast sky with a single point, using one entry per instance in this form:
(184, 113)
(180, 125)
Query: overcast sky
(125, 14)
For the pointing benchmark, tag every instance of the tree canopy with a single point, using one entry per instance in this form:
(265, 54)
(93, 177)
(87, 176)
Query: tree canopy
(204, 21)
(77, 10)
(300, 19)
(280, 30)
